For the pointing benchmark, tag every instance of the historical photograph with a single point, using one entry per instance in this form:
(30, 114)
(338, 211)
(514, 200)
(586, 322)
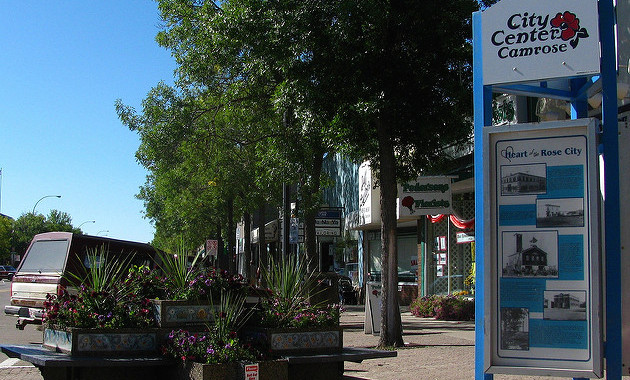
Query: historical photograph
(565, 305)
(514, 328)
(523, 179)
(560, 212)
(530, 254)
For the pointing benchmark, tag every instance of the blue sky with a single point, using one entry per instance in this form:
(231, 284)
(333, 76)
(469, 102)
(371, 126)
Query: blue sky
(62, 66)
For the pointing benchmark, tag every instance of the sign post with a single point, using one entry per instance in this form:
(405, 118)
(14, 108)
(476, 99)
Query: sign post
(537, 283)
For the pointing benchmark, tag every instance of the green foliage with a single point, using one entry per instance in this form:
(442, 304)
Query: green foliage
(103, 272)
(447, 308)
(176, 269)
(30, 224)
(291, 284)
(207, 347)
(289, 278)
(6, 228)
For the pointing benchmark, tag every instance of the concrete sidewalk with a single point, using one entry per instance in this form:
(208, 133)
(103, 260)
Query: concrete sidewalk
(434, 350)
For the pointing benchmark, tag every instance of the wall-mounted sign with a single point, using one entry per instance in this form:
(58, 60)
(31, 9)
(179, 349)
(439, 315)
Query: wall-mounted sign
(539, 39)
(367, 196)
(542, 250)
(465, 237)
(425, 196)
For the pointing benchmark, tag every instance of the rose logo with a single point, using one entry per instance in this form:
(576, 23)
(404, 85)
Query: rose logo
(569, 24)
(408, 202)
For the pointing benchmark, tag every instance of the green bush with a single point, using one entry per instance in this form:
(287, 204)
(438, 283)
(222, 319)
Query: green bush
(446, 308)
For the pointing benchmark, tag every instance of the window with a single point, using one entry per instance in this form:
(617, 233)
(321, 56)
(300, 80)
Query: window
(46, 256)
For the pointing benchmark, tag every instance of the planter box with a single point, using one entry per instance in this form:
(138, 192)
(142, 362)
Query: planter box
(267, 370)
(293, 341)
(182, 313)
(104, 342)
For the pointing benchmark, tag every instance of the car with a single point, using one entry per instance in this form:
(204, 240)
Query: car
(7, 271)
(53, 258)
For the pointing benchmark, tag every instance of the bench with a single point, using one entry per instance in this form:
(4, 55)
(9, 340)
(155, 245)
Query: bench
(60, 366)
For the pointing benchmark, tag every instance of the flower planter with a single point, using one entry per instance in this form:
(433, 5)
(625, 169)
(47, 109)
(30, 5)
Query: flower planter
(103, 342)
(295, 341)
(267, 370)
(171, 313)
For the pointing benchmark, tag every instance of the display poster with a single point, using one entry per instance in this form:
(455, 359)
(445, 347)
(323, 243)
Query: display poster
(544, 249)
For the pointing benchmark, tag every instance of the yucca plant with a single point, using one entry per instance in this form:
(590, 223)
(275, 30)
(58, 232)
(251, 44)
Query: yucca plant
(289, 279)
(103, 273)
(176, 270)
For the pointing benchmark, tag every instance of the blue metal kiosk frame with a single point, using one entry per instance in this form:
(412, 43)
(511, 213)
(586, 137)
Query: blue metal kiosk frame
(610, 148)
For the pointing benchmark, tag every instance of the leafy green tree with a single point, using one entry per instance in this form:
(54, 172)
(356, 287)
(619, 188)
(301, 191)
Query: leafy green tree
(30, 224)
(384, 81)
(6, 226)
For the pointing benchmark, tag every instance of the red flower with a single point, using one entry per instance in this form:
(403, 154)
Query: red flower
(568, 23)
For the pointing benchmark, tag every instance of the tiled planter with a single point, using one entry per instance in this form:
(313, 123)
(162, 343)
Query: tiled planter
(170, 313)
(267, 370)
(103, 342)
(293, 341)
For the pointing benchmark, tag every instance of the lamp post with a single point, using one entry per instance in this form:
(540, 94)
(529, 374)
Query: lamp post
(99, 232)
(45, 196)
(87, 221)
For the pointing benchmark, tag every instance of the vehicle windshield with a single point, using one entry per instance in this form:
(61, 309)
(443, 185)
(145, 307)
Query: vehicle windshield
(46, 256)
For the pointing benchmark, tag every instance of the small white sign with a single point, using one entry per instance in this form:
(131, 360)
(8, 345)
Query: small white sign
(465, 237)
(539, 39)
(251, 371)
(323, 231)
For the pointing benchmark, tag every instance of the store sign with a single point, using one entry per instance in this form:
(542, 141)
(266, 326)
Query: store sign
(539, 39)
(425, 196)
(543, 244)
(465, 237)
(366, 198)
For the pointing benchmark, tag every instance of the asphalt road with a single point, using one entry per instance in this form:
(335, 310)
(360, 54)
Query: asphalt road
(8, 333)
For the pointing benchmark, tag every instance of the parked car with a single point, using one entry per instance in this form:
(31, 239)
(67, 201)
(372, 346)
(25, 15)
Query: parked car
(52, 258)
(7, 271)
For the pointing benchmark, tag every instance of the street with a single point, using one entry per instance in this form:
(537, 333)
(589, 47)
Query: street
(9, 334)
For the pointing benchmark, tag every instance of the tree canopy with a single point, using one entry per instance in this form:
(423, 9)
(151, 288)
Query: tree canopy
(266, 88)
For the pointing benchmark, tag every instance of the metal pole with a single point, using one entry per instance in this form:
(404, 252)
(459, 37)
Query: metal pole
(483, 118)
(611, 178)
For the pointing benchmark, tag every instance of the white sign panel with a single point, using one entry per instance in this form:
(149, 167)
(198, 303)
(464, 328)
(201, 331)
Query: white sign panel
(539, 39)
(543, 250)
(365, 193)
(425, 196)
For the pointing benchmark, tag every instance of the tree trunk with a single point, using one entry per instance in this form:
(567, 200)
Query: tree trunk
(391, 325)
(220, 263)
(262, 246)
(247, 249)
(310, 192)
(231, 238)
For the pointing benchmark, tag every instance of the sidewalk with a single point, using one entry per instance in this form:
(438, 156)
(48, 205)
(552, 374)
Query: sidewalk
(433, 350)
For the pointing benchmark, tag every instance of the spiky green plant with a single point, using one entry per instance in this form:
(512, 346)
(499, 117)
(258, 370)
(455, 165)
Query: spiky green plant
(103, 272)
(176, 269)
(290, 279)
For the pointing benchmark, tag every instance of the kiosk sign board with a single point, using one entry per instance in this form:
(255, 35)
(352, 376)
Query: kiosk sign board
(542, 250)
(539, 39)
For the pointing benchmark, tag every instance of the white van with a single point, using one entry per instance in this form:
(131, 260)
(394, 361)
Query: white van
(50, 258)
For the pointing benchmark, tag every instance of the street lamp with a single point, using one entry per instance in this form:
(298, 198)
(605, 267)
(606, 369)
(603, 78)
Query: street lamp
(45, 196)
(99, 232)
(87, 221)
